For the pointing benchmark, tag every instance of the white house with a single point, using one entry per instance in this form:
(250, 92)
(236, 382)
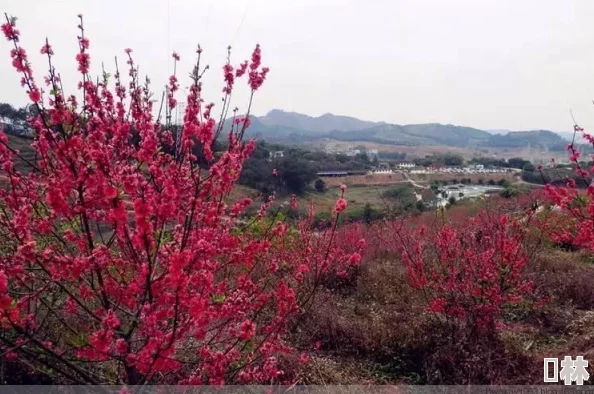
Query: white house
(275, 154)
(380, 172)
(353, 152)
(405, 165)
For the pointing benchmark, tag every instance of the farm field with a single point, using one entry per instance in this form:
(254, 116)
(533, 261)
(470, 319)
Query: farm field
(467, 153)
(397, 178)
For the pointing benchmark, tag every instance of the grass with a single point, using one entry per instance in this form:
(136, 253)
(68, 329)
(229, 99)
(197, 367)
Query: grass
(356, 195)
(474, 178)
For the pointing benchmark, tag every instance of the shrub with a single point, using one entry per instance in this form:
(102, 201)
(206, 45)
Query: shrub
(514, 191)
(529, 167)
(577, 229)
(420, 206)
(471, 272)
(320, 185)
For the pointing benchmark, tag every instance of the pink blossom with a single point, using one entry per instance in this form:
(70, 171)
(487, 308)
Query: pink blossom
(10, 32)
(84, 62)
(35, 96)
(47, 50)
(247, 330)
(355, 259)
(341, 205)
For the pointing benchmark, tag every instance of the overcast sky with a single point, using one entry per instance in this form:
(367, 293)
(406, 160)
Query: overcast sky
(492, 64)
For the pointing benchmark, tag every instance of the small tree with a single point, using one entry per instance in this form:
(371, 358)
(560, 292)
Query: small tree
(320, 185)
(517, 162)
(420, 205)
(529, 167)
(368, 213)
(122, 259)
(575, 225)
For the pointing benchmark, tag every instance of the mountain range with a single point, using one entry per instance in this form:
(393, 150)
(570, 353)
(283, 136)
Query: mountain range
(292, 127)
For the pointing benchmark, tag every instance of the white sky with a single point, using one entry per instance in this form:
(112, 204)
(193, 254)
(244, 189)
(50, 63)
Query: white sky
(491, 64)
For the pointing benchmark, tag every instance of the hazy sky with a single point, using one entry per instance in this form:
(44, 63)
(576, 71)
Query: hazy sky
(493, 64)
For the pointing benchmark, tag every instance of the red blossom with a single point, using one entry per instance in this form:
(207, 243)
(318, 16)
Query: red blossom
(247, 330)
(10, 32)
(241, 69)
(304, 358)
(355, 259)
(47, 49)
(84, 62)
(35, 96)
(341, 205)
(3, 283)
(256, 58)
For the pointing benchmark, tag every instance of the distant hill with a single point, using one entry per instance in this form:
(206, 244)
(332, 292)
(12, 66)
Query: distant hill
(418, 134)
(320, 124)
(542, 139)
(296, 128)
(566, 135)
(278, 133)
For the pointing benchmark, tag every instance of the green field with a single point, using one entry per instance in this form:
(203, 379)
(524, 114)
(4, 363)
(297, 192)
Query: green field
(357, 197)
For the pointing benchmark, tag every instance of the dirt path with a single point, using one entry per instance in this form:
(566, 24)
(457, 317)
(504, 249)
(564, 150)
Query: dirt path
(414, 183)
(523, 182)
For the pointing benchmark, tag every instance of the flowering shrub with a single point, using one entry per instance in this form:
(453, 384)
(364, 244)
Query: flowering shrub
(122, 259)
(470, 272)
(574, 202)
